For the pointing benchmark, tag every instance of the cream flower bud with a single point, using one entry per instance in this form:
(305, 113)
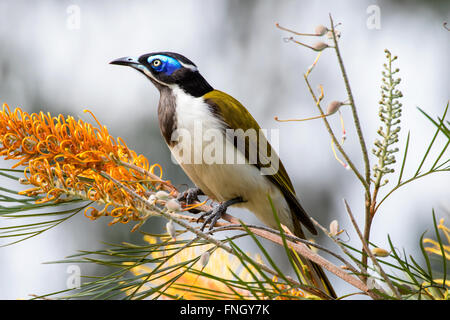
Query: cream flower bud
(319, 46)
(173, 205)
(152, 199)
(333, 107)
(380, 252)
(320, 30)
(334, 228)
(204, 259)
(170, 227)
(162, 195)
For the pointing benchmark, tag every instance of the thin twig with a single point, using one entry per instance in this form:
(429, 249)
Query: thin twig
(352, 104)
(368, 213)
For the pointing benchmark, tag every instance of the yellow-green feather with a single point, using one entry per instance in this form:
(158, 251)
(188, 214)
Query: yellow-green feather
(236, 116)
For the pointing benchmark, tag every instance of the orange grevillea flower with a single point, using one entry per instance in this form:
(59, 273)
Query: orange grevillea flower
(66, 158)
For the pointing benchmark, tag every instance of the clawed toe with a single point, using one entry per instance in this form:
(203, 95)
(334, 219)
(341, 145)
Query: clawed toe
(212, 216)
(216, 213)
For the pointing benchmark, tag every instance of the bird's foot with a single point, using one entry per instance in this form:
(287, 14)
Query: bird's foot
(212, 216)
(190, 196)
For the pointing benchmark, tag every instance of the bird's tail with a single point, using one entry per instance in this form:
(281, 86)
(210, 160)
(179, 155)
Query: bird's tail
(312, 272)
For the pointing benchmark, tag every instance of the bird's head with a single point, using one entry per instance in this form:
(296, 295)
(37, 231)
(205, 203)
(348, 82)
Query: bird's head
(168, 70)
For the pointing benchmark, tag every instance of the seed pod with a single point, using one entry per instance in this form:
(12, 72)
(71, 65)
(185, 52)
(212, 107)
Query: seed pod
(320, 30)
(333, 107)
(319, 46)
(173, 205)
(162, 195)
(204, 259)
(380, 252)
(171, 229)
(334, 228)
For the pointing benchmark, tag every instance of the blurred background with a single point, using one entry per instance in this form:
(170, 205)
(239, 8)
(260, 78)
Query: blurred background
(54, 57)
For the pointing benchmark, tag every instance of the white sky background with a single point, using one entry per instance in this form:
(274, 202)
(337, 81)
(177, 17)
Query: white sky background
(47, 66)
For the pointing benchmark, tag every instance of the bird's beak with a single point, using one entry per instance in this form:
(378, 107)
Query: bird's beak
(127, 61)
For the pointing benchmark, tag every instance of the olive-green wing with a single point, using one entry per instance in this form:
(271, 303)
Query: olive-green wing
(236, 116)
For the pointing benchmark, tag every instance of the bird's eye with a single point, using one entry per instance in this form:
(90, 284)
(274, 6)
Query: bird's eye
(156, 63)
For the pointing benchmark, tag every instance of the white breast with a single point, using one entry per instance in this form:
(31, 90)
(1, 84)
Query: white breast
(221, 181)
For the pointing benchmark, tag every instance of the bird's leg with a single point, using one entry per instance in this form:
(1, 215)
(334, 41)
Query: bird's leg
(190, 196)
(220, 208)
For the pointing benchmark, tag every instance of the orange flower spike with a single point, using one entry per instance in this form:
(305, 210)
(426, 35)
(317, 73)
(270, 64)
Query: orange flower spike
(62, 154)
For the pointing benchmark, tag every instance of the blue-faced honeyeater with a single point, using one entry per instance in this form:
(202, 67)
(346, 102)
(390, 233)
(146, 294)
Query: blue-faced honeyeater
(186, 99)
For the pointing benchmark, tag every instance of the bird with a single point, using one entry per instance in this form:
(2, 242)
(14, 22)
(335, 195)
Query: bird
(253, 177)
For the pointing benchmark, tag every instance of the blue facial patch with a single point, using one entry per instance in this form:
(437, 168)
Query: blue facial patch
(168, 64)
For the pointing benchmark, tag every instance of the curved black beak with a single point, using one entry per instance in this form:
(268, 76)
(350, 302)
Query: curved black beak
(126, 61)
